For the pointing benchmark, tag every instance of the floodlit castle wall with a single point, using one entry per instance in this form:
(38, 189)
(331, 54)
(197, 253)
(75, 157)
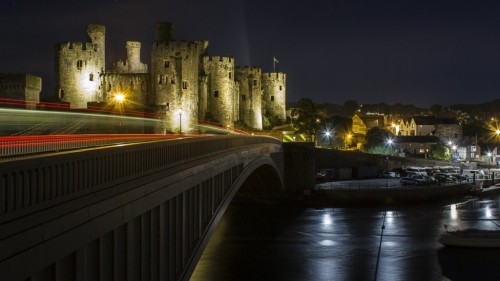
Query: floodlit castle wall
(220, 97)
(175, 68)
(274, 95)
(133, 62)
(250, 96)
(133, 86)
(80, 67)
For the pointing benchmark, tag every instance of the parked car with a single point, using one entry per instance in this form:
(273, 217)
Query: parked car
(444, 178)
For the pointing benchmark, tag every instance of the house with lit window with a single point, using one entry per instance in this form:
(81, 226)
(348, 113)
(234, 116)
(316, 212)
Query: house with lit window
(416, 145)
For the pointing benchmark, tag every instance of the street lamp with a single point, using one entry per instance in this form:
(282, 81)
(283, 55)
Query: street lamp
(490, 159)
(119, 99)
(179, 111)
(454, 148)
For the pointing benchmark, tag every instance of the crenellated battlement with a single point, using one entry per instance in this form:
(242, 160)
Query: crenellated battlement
(180, 45)
(223, 59)
(248, 70)
(274, 76)
(76, 46)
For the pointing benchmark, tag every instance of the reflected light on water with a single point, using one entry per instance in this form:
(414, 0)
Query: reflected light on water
(389, 219)
(453, 211)
(487, 212)
(327, 220)
(327, 242)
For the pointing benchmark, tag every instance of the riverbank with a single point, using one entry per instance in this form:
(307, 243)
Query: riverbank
(396, 195)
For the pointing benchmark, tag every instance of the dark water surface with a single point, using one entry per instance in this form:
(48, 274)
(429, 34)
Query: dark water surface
(274, 242)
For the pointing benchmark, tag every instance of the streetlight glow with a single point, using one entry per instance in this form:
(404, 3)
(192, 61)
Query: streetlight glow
(119, 98)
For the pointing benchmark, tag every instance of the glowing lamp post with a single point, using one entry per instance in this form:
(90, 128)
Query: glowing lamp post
(454, 149)
(179, 111)
(119, 99)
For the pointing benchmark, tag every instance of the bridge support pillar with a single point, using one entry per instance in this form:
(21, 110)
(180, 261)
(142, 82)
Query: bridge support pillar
(300, 167)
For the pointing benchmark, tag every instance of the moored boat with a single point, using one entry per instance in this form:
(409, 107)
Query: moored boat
(471, 237)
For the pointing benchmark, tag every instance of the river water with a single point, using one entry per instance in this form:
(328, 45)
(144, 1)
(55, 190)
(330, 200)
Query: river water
(276, 242)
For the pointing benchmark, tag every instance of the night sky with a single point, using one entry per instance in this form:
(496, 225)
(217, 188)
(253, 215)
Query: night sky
(413, 52)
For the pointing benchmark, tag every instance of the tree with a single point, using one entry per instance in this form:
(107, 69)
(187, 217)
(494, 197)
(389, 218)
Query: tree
(351, 106)
(307, 117)
(439, 152)
(379, 141)
(436, 109)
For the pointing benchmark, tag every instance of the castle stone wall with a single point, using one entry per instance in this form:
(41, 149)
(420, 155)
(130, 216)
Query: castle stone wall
(250, 96)
(21, 86)
(133, 86)
(79, 69)
(274, 95)
(133, 62)
(175, 68)
(220, 97)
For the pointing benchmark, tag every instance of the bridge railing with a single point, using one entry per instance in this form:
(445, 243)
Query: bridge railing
(39, 180)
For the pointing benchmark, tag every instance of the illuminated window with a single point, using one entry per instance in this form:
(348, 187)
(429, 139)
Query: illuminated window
(184, 84)
(79, 64)
(216, 94)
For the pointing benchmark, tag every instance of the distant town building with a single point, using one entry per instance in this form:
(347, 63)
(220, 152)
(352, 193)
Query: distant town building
(21, 87)
(416, 145)
(183, 85)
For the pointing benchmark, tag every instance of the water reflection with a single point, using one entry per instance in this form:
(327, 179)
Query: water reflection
(283, 243)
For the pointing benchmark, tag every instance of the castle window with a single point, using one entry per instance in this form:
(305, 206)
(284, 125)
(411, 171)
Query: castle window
(243, 97)
(172, 81)
(229, 75)
(184, 84)
(255, 82)
(281, 87)
(216, 94)
(160, 79)
(79, 64)
(131, 84)
(166, 64)
(272, 98)
(109, 87)
(167, 107)
(91, 77)
(61, 93)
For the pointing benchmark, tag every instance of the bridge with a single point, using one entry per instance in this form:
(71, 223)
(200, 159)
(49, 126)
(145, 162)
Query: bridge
(142, 211)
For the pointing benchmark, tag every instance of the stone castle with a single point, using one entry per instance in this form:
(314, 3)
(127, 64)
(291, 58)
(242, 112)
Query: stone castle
(183, 85)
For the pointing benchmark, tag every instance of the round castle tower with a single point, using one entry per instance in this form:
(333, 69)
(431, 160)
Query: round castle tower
(250, 95)
(220, 89)
(79, 68)
(274, 95)
(175, 68)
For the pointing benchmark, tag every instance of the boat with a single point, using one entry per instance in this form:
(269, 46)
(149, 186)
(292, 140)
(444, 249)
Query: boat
(471, 237)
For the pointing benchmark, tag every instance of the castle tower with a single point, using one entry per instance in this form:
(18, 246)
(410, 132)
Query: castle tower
(250, 95)
(220, 95)
(79, 69)
(274, 95)
(175, 68)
